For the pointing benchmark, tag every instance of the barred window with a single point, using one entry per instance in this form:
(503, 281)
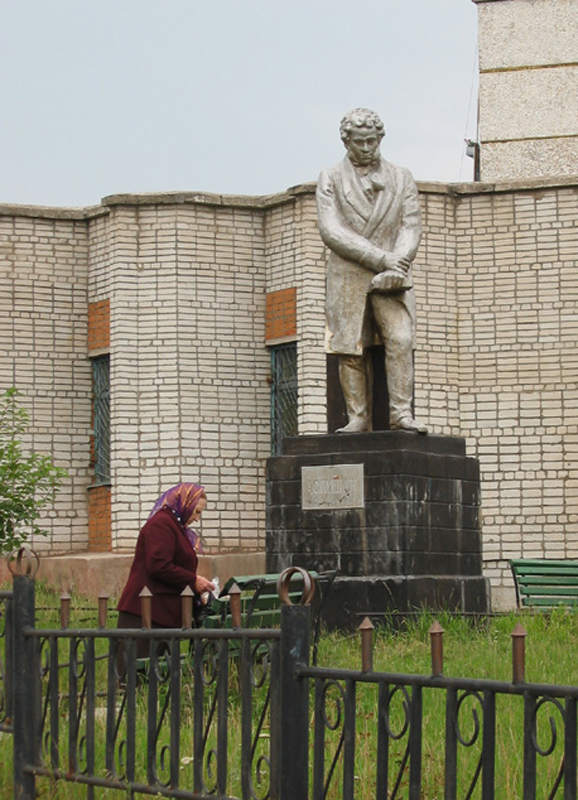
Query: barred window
(101, 418)
(283, 395)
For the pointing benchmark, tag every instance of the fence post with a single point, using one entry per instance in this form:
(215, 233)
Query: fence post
(8, 659)
(518, 636)
(366, 630)
(294, 703)
(102, 609)
(26, 687)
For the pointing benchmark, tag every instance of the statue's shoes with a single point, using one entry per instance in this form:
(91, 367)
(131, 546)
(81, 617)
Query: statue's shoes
(408, 424)
(356, 425)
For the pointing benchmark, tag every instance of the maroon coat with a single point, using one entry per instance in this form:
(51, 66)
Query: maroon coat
(166, 563)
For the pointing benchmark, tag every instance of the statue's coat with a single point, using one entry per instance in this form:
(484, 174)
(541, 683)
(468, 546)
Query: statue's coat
(357, 229)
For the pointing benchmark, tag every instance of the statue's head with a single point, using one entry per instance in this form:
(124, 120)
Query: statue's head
(361, 132)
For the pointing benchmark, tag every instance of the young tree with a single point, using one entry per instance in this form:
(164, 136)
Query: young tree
(28, 482)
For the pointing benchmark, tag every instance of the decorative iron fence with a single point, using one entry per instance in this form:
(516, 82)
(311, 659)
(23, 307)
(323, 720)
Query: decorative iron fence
(465, 763)
(88, 711)
(243, 714)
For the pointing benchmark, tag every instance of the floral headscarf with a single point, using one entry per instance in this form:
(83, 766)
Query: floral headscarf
(182, 500)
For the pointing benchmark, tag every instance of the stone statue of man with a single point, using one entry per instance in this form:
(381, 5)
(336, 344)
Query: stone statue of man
(370, 219)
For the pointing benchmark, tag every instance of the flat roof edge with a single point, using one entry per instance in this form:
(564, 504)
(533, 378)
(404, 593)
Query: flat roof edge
(265, 201)
(52, 212)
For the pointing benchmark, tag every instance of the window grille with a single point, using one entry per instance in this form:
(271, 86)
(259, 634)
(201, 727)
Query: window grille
(101, 418)
(283, 395)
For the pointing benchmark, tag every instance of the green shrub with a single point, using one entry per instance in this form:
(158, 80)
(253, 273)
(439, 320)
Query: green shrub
(28, 482)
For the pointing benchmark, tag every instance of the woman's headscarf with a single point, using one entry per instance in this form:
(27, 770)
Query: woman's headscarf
(182, 500)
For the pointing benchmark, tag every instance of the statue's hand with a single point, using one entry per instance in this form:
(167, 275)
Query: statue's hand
(394, 262)
(390, 280)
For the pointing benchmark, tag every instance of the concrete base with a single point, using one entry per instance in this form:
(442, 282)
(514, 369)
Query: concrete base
(504, 598)
(90, 574)
(376, 597)
(404, 534)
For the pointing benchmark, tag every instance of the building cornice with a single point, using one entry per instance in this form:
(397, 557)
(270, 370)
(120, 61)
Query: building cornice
(52, 212)
(260, 202)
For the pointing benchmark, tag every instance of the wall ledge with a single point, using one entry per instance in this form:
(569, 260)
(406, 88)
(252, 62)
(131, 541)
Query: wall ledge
(269, 201)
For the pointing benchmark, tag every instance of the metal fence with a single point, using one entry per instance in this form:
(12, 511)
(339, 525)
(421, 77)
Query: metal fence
(87, 711)
(243, 714)
(462, 755)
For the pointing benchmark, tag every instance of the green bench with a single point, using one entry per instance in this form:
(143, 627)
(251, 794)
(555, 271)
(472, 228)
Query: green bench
(259, 599)
(545, 582)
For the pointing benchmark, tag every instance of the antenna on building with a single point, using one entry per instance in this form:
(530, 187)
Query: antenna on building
(472, 146)
(473, 151)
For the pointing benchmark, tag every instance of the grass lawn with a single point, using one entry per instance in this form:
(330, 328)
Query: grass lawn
(481, 649)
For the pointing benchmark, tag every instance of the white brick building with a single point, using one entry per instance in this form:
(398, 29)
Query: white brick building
(197, 289)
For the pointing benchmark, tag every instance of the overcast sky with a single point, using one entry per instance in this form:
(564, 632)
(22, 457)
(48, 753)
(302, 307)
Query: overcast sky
(102, 97)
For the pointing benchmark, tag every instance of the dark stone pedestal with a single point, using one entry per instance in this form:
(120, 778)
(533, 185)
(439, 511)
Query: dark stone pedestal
(412, 541)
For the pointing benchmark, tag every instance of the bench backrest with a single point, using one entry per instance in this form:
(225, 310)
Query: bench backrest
(260, 603)
(545, 582)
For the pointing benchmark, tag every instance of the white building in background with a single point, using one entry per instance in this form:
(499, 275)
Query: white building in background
(528, 62)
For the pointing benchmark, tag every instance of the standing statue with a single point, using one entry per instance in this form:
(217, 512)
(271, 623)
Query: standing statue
(370, 219)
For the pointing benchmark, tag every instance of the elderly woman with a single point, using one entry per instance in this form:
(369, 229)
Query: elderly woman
(165, 559)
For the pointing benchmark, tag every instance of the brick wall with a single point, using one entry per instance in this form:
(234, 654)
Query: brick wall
(187, 278)
(99, 519)
(518, 334)
(295, 257)
(281, 315)
(99, 325)
(436, 281)
(189, 367)
(43, 329)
